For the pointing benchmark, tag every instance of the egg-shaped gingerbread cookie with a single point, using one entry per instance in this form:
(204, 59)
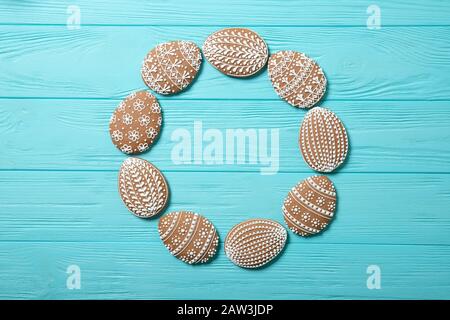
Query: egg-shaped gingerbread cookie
(142, 187)
(236, 52)
(136, 123)
(188, 236)
(310, 205)
(254, 243)
(323, 140)
(171, 67)
(296, 78)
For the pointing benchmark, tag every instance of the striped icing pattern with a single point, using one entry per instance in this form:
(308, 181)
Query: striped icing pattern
(188, 236)
(310, 205)
(323, 140)
(297, 78)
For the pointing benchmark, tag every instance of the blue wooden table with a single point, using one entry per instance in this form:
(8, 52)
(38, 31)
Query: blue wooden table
(64, 67)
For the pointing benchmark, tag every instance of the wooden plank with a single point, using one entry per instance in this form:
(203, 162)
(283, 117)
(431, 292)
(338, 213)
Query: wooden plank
(388, 136)
(407, 63)
(143, 271)
(231, 12)
(85, 206)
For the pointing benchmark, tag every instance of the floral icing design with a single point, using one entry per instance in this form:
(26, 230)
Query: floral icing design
(136, 123)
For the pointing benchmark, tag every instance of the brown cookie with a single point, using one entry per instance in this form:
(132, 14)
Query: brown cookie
(142, 188)
(323, 140)
(136, 123)
(255, 242)
(310, 205)
(188, 236)
(296, 78)
(237, 52)
(170, 67)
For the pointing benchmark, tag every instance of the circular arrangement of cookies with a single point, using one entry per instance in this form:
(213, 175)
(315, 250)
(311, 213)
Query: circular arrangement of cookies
(134, 127)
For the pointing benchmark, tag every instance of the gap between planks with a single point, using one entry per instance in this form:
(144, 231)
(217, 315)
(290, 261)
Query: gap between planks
(234, 171)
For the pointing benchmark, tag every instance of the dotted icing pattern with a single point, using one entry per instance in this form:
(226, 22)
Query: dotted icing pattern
(323, 140)
(309, 206)
(296, 78)
(188, 236)
(170, 67)
(136, 123)
(254, 243)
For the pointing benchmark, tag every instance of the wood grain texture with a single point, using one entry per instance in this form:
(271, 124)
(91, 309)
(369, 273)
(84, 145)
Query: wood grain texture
(144, 270)
(59, 203)
(401, 63)
(385, 136)
(227, 13)
(85, 206)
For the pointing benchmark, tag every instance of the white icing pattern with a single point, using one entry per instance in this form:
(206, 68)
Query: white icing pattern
(170, 67)
(254, 243)
(297, 78)
(310, 206)
(136, 123)
(237, 52)
(323, 140)
(188, 236)
(142, 188)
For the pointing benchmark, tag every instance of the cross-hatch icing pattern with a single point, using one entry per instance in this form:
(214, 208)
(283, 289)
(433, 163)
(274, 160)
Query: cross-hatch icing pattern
(188, 236)
(310, 205)
(323, 140)
(136, 123)
(297, 78)
(142, 188)
(254, 243)
(170, 67)
(236, 52)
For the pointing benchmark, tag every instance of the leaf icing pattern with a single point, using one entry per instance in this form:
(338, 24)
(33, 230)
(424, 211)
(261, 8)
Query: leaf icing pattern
(142, 188)
(237, 52)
